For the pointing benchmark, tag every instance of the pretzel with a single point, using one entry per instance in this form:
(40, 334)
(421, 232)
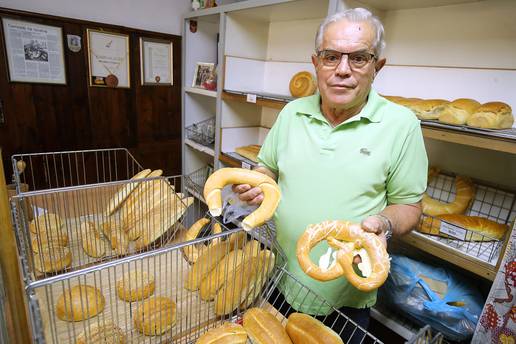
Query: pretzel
(224, 176)
(347, 238)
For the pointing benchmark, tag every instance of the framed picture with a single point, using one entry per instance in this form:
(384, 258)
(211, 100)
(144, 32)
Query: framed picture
(34, 52)
(203, 76)
(108, 59)
(156, 62)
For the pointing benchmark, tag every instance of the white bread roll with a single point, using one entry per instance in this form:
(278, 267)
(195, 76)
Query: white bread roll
(429, 108)
(228, 333)
(458, 111)
(492, 115)
(264, 328)
(304, 329)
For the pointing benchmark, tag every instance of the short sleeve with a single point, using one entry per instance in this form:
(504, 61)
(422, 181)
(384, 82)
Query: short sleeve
(407, 179)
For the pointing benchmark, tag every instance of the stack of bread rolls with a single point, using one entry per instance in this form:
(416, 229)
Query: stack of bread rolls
(462, 111)
(264, 328)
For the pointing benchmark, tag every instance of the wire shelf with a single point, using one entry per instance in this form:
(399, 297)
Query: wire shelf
(76, 230)
(202, 132)
(72, 168)
(171, 273)
(424, 336)
(489, 202)
(195, 181)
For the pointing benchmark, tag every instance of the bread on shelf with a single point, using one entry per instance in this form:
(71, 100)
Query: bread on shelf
(52, 258)
(79, 303)
(155, 316)
(492, 115)
(429, 108)
(263, 328)
(481, 229)
(103, 332)
(458, 111)
(304, 329)
(135, 285)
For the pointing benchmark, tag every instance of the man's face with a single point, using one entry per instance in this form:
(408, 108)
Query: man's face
(344, 87)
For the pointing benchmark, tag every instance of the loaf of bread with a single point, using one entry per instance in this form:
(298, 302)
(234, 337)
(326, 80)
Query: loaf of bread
(52, 258)
(103, 332)
(46, 223)
(302, 84)
(210, 258)
(154, 316)
(481, 229)
(135, 285)
(79, 303)
(250, 152)
(429, 108)
(239, 285)
(464, 193)
(225, 268)
(264, 328)
(91, 242)
(492, 115)
(458, 111)
(304, 329)
(121, 195)
(228, 333)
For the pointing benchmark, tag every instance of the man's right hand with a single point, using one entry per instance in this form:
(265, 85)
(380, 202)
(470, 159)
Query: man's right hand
(246, 193)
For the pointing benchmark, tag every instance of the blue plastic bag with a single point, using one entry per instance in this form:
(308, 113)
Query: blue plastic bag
(407, 291)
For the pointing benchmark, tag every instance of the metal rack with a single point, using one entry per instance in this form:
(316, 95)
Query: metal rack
(489, 202)
(195, 181)
(72, 168)
(424, 336)
(202, 132)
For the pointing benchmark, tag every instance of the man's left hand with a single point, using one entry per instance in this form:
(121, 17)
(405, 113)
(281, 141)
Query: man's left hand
(373, 224)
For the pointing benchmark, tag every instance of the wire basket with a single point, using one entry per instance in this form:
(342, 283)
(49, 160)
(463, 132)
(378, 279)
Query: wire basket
(424, 336)
(171, 274)
(72, 168)
(195, 181)
(489, 202)
(79, 226)
(202, 132)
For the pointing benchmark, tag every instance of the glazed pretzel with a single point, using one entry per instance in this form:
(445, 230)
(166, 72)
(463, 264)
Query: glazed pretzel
(347, 238)
(224, 176)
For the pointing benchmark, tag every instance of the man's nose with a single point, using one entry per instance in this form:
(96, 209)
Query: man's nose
(343, 68)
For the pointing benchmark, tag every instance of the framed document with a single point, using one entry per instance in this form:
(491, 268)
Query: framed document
(157, 62)
(34, 52)
(108, 58)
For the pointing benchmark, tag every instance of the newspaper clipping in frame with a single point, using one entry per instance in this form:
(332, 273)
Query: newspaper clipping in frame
(34, 52)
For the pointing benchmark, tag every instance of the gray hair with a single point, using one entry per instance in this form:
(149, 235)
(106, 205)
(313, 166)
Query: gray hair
(354, 15)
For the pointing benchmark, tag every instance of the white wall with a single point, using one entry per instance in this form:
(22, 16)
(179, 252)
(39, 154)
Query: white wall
(153, 15)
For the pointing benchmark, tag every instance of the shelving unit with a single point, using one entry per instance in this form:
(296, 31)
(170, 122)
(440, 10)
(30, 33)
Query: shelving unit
(425, 60)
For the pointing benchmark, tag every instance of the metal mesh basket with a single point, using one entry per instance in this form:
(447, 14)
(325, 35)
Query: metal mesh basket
(195, 181)
(202, 132)
(89, 230)
(72, 168)
(171, 274)
(424, 336)
(492, 203)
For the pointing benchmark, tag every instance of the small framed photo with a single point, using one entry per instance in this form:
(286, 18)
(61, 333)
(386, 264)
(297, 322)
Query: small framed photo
(108, 59)
(34, 52)
(156, 62)
(204, 76)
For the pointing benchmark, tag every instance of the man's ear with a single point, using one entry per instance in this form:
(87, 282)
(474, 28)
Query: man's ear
(315, 60)
(379, 64)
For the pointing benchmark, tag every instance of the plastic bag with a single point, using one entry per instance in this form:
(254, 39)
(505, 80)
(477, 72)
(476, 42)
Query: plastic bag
(234, 210)
(455, 314)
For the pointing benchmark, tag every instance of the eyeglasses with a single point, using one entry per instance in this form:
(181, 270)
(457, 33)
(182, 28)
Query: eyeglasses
(356, 60)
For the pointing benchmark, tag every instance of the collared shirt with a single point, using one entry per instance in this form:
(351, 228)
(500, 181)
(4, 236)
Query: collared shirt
(346, 172)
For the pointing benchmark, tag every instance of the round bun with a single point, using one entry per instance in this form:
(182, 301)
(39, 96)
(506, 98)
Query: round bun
(52, 258)
(92, 243)
(79, 303)
(102, 333)
(302, 84)
(47, 222)
(458, 111)
(135, 285)
(59, 238)
(492, 115)
(155, 316)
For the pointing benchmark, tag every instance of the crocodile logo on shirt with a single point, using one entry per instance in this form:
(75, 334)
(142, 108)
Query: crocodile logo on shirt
(365, 151)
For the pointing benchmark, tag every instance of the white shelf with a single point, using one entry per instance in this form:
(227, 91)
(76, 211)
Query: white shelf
(200, 148)
(390, 320)
(201, 91)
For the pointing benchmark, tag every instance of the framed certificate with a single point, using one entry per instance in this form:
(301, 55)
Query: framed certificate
(108, 58)
(156, 62)
(34, 52)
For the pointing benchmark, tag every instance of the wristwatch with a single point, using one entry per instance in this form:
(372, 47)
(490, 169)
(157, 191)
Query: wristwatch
(388, 225)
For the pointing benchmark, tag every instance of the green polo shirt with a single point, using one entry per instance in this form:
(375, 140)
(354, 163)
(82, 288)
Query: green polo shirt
(348, 172)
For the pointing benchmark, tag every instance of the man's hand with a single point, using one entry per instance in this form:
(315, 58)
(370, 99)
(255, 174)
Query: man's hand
(246, 193)
(373, 224)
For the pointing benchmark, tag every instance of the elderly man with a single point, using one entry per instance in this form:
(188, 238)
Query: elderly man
(346, 153)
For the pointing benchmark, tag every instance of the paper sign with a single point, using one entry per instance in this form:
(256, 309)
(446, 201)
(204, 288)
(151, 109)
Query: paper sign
(251, 98)
(453, 231)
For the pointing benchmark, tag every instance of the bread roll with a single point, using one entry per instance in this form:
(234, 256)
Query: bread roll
(464, 193)
(228, 333)
(304, 329)
(52, 258)
(250, 152)
(264, 328)
(58, 238)
(156, 315)
(302, 84)
(47, 222)
(79, 303)
(487, 230)
(119, 241)
(429, 108)
(102, 333)
(135, 285)
(92, 243)
(493, 115)
(458, 111)
(124, 192)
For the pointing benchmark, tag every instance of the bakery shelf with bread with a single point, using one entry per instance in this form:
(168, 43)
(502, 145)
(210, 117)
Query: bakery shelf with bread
(159, 295)
(81, 226)
(467, 219)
